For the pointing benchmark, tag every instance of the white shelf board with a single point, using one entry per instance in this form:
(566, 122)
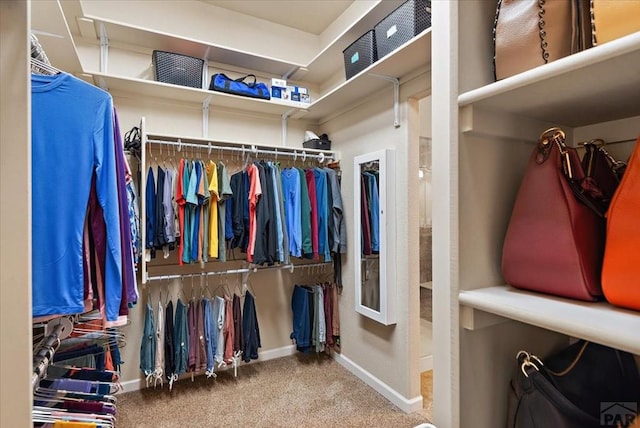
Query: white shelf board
(412, 56)
(150, 39)
(597, 322)
(49, 25)
(148, 88)
(331, 58)
(574, 91)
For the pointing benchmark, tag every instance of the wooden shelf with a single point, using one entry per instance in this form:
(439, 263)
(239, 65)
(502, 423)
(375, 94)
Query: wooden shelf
(597, 85)
(598, 322)
(413, 55)
(148, 88)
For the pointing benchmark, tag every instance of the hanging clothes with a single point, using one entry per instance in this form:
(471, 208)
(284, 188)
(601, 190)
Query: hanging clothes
(292, 196)
(210, 335)
(79, 140)
(251, 329)
(158, 373)
(169, 346)
(148, 345)
(218, 318)
(212, 173)
(181, 339)
(224, 196)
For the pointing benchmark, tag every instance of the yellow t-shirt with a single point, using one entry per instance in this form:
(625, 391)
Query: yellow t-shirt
(212, 175)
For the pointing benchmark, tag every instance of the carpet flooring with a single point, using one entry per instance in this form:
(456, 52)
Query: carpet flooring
(296, 391)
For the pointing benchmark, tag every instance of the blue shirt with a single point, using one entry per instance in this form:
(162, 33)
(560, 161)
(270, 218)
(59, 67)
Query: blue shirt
(292, 200)
(72, 138)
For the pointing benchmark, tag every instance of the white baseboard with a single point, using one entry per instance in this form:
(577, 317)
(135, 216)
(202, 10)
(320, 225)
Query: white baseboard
(405, 404)
(426, 363)
(271, 354)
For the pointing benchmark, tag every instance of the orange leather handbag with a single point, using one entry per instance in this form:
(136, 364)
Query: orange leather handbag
(621, 266)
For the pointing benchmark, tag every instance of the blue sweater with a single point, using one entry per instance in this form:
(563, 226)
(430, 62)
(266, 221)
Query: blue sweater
(72, 137)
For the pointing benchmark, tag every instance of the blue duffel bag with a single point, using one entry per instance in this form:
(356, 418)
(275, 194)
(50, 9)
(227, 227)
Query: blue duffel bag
(222, 83)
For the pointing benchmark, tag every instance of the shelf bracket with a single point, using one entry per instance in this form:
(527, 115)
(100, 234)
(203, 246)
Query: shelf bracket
(205, 116)
(104, 48)
(285, 117)
(396, 96)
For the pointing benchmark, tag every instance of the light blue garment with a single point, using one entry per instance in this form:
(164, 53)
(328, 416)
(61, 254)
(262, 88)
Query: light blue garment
(72, 137)
(218, 323)
(291, 197)
(210, 334)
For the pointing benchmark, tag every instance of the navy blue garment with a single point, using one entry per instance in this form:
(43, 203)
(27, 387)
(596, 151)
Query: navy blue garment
(237, 213)
(115, 350)
(228, 221)
(169, 350)
(150, 209)
(301, 327)
(250, 329)
(94, 350)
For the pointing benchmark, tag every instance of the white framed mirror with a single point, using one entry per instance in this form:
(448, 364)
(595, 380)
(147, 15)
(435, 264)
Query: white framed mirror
(374, 231)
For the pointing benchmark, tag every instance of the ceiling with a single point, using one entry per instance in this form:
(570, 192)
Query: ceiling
(311, 16)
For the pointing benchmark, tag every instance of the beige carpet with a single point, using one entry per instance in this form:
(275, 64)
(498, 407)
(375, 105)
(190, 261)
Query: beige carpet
(296, 391)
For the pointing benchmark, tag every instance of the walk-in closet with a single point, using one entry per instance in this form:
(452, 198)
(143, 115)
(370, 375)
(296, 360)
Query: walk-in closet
(294, 213)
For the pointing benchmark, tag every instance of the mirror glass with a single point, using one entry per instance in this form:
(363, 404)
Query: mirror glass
(374, 237)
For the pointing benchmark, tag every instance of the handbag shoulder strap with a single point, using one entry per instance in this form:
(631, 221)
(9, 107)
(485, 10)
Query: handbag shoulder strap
(250, 84)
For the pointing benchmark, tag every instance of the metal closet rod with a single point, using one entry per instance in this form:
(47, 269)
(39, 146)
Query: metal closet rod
(251, 149)
(290, 267)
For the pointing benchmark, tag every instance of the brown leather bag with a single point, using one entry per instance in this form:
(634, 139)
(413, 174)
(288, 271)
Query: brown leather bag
(555, 238)
(529, 33)
(612, 19)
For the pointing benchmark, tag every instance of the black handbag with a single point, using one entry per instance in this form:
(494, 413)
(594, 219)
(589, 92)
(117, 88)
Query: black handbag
(221, 83)
(586, 385)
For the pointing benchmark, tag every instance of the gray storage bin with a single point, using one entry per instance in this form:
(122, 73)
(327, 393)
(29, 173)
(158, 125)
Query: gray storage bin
(360, 54)
(178, 69)
(401, 25)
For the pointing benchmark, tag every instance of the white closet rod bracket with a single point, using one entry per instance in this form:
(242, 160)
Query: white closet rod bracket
(104, 48)
(291, 72)
(285, 117)
(396, 96)
(205, 116)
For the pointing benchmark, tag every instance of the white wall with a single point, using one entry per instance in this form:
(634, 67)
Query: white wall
(389, 353)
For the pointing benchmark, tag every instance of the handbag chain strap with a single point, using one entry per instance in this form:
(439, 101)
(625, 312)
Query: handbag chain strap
(543, 32)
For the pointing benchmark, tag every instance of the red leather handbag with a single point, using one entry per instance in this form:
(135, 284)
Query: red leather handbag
(555, 238)
(621, 267)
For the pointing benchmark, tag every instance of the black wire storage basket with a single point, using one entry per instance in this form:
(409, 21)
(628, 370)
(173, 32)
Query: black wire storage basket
(407, 21)
(360, 54)
(178, 69)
